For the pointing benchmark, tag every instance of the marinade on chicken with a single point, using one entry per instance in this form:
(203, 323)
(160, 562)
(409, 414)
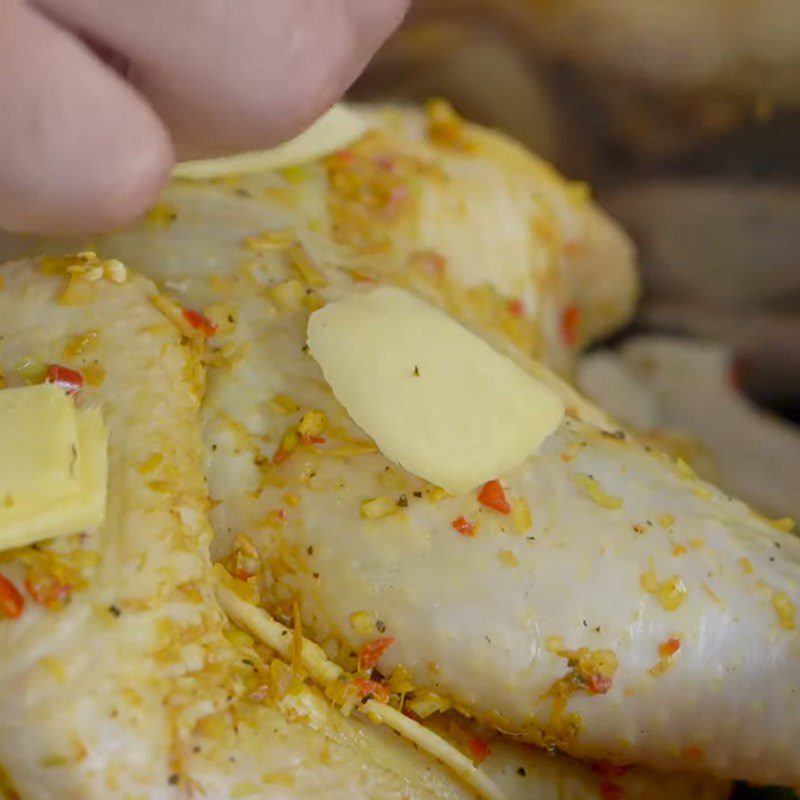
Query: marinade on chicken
(604, 601)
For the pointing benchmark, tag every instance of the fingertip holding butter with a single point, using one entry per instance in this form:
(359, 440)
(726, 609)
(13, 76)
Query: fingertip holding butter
(53, 475)
(435, 398)
(335, 129)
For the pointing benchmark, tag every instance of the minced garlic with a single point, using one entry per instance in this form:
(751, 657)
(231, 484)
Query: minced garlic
(81, 343)
(445, 128)
(349, 449)
(151, 463)
(786, 610)
(283, 404)
(427, 703)
(161, 215)
(378, 507)
(521, 517)
(308, 273)
(508, 559)
(288, 295)
(271, 240)
(312, 423)
(671, 592)
(361, 622)
(592, 488)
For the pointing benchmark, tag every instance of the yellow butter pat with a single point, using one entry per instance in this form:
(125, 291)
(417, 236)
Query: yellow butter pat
(335, 129)
(38, 508)
(434, 397)
(38, 444)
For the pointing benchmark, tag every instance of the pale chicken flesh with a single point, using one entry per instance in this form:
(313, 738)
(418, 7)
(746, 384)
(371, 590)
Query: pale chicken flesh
(623, 610)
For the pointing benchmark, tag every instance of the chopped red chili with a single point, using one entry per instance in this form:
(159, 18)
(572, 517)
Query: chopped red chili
(606, 770)
(479, 749)
(70, 380)
(372, 689)
(694, 753)
(199, 322)
(12, 603)
(611, 791)
(313, 439)
(463, 526)
(597, 684)
(493, 496)
(372, 651)
(48, 591)
(570, 325)
(431, 262)
(280, 456)
(669, 648)
(516, 307)
(386, 162)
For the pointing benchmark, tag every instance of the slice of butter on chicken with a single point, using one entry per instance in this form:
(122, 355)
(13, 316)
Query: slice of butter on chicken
(40, 457)
(51, 514)
(434, 397)
(335, 129)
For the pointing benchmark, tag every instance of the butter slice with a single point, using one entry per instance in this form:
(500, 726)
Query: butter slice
(334, 130)
(41, 512)
(434, 397)
(38, 444)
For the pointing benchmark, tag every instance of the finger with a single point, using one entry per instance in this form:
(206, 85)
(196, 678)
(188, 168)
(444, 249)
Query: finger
(79, 150)
(237, 76)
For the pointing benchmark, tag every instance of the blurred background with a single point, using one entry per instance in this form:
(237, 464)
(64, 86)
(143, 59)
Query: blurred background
(683, 115)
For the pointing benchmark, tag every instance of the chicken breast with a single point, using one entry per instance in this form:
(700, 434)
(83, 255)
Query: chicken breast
(560, 629)
(634, 597)
(463, 214)
(122, 677)
(113, 658)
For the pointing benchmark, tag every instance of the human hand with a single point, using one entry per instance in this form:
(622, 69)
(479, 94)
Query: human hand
(98, 96)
